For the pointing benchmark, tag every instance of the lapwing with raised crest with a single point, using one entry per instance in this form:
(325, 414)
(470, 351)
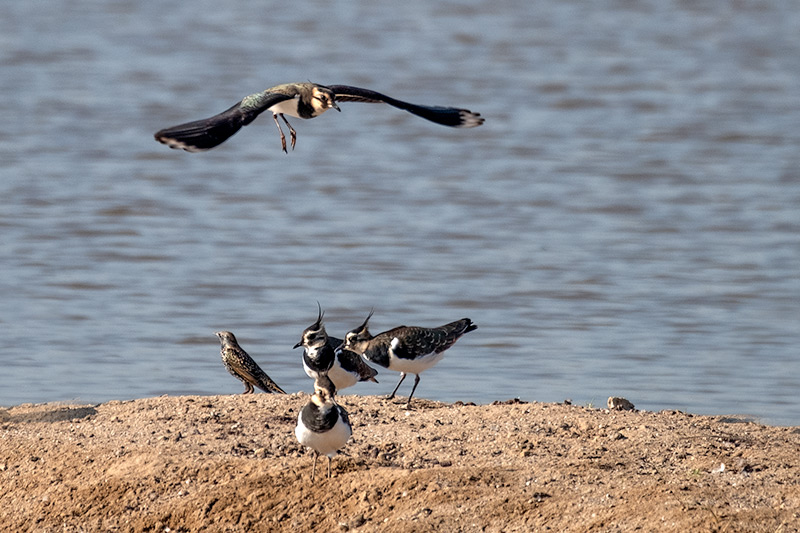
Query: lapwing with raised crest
(243, 367)
(406, 349)
(323, 354)
(323, 425)
(318, 354)
(301, 100)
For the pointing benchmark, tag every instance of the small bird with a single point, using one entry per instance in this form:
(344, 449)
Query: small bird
(406, 348)
(323, 425)
(301, 100)
(323, 355)
(242, 367)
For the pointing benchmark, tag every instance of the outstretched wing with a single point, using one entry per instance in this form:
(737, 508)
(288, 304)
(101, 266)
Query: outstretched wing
(446, 116)
(209, 132)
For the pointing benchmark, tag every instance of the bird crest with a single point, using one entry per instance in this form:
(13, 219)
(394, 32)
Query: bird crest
(315, 334)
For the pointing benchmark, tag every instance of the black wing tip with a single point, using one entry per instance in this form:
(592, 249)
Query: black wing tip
(453, 117)
(205, 134)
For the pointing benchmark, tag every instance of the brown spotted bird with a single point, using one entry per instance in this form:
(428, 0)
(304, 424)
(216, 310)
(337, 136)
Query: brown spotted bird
(301, 100)
(242, 367)
(406, 348)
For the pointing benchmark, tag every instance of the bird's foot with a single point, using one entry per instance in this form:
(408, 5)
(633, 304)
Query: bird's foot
(405, 403)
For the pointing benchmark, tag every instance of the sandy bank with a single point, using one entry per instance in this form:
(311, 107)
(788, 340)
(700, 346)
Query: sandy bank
(230, 463)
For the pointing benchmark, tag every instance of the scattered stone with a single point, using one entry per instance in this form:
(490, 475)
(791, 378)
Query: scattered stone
(512, 401)
(358, 521)
(620, 404)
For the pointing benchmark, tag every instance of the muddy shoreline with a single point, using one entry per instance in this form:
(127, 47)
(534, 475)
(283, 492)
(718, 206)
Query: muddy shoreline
(230, 463)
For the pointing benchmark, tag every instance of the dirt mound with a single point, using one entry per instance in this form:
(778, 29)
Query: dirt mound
(231, 463)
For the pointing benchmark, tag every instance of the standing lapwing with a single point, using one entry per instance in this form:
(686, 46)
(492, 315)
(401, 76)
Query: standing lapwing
(406, 348)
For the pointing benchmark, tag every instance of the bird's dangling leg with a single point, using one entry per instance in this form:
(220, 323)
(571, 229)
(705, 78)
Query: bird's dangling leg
(292, 133)
(283, 137)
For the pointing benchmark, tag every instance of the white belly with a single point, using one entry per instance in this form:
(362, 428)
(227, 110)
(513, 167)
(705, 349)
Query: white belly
(327, 443)
(310, 373)
(287, 107)
(413, 366)
(340, 377)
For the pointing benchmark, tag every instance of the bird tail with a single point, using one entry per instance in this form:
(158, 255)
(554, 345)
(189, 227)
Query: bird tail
(266, 384)
(460, 327)
(470, 325)
(204, 134)
(450, 333)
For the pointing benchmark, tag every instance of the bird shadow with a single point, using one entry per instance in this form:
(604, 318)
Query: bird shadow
(57, 414)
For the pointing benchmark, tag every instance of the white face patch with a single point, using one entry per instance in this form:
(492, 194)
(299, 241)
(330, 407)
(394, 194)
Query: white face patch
(313, 351)
(315, 339)
(320, 101)
(352, 343)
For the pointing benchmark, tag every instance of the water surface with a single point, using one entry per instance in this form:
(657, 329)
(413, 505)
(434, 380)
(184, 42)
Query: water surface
(625, 223)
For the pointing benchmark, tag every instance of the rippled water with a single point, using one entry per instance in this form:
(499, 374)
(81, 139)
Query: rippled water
(627, 221)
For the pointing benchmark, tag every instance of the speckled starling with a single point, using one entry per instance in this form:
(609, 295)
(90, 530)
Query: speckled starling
(242, 366)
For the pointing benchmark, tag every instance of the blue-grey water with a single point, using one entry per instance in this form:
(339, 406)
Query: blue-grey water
(627, 221)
